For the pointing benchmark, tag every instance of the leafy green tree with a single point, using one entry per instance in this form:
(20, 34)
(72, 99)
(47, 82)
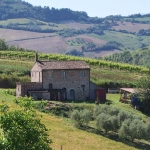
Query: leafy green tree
(143, 92)
(22, 129)
(74, 52)
(3, 45)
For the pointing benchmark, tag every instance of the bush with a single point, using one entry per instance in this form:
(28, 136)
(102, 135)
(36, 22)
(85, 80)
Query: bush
(81, 118)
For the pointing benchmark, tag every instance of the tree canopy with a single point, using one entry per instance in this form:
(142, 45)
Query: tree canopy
(21, 129)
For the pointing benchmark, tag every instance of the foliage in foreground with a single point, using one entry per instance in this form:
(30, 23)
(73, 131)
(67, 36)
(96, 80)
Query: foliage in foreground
(22, 129)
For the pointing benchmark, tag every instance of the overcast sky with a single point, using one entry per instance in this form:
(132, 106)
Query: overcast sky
(99, 8)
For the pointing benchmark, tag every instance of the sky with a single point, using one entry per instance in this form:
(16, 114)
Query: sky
(98, 8)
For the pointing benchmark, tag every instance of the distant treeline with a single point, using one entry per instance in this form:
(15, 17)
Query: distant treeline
(137, 57)
(33, 28)
(10, 9)
(5, 47)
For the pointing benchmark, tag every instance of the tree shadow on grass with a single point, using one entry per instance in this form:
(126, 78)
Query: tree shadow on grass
(114, 136)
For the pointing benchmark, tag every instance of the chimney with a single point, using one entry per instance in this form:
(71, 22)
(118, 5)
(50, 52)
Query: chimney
(36, 57)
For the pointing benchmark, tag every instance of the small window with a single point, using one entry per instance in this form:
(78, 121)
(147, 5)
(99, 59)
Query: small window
(63, 74)
(32, 73)
(82, 73)
(83, 87)
(50, 86)
(50, 74)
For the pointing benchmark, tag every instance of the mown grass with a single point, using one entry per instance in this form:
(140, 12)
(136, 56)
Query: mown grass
(139, 19)
(114, 100)
(14, 21)
(129, 41)
(25, 21)
(4, 97)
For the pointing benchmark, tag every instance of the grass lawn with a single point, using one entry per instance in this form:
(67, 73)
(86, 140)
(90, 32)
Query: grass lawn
(64, 134)
(6, 97)
(114, 99)
(128, 40)
(140, 19)
(19, 21)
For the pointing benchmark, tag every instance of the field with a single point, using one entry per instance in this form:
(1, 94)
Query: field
(101, 76)
(131, 27)
(53, 43)
(77, 26)
(21, 21)
(129, 41)
(140, 19)
(64, 134)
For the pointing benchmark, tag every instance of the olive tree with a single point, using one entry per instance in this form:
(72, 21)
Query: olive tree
(106, 122)
(21, 129)
(81, 118)
(131, 129)
(102, 122)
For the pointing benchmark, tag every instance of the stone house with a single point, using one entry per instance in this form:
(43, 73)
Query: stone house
(57, 80)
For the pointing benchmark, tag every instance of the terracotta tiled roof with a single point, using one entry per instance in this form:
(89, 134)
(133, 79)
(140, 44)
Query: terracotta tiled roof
(63, 65)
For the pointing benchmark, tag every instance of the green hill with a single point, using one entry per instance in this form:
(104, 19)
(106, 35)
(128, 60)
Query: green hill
(64, 30)
(15, 67)
(137, 57)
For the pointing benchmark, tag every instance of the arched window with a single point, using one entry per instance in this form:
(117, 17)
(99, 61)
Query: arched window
(64, 93)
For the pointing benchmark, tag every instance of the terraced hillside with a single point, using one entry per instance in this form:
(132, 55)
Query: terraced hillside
(60, 31)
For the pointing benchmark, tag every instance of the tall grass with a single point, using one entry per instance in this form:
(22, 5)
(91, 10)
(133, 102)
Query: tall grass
(9, 81)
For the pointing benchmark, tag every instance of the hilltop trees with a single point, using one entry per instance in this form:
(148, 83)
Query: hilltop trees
(21, 9)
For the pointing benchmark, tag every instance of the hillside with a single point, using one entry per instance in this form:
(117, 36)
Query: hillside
(62, 132)
(63, 30)
(15, 67)
(137, 57)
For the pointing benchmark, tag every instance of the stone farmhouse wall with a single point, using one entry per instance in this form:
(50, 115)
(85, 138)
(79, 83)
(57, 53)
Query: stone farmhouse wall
(23, 88)
(76, 80)
(36, 73)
